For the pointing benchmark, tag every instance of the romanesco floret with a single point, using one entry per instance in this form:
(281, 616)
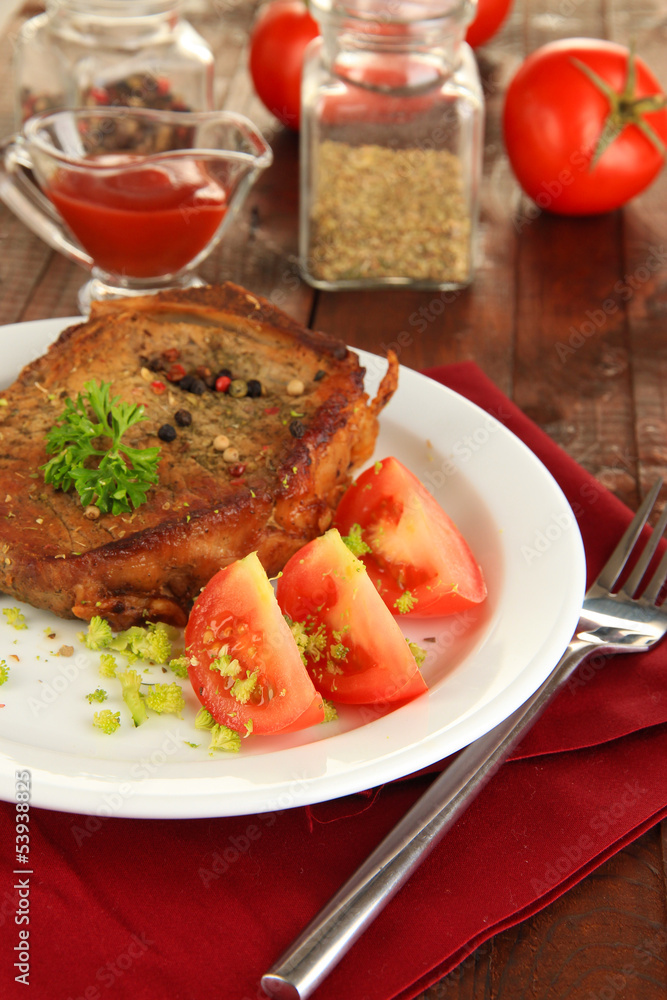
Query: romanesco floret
(156, 644)
(15, 617)
(225, 665)
(151, 642)
(4, 672)
(97, 695)
(406, 602)
(108, 665)
(417, 651)
(243, 688)
(310, 644)
(107, 721)
(165, 699)
(99, 633)
(130, 682)
(179, 666)
(204, 719)
(224, 738)
(339, 651)
(330, 712)
(355, 543)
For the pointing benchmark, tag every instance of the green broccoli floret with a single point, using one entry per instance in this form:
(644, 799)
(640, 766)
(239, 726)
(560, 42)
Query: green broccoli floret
(165, 699)
(204, 719)
(130, 682)
(97, 695)
(4, 672)
(108, 665)
(179, 666)
(406, 602)
(15, 617)
(107, 721)
(417, 651)
(355, 543)
(224, 738)
(99, 634)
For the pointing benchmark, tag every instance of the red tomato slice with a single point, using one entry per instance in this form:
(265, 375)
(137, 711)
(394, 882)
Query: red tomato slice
(419, 561)
(357, 653)
(245, 666)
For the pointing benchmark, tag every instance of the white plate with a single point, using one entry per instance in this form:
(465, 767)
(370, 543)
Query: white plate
(480, 666)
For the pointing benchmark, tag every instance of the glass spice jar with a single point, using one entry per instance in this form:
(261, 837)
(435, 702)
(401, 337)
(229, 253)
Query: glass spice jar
(88, 53)
(391, 145)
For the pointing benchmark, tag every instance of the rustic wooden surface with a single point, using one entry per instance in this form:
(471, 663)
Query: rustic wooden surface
(605, 402)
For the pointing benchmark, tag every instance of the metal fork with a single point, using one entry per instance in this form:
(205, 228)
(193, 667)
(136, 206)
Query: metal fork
(624, 620)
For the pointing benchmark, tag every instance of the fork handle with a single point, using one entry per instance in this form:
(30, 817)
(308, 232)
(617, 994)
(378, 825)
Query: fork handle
(343, 920)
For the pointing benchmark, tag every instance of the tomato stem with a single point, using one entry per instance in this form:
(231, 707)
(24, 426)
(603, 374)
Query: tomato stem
(625, 108)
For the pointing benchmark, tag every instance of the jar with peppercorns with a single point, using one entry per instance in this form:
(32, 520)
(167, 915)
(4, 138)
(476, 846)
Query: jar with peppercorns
(136, 53)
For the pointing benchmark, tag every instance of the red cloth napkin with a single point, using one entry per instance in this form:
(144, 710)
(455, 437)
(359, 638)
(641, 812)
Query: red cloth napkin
(192, 909)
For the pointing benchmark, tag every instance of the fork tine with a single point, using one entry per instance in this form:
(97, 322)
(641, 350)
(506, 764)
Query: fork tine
(631, 585)
(657, 581)
(617, 560)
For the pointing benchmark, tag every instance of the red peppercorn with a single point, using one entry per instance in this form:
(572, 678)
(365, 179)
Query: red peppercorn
(99, 95)
(237, 470)
(271, 410)
(222, 383)
(158, 387)
(176, 373)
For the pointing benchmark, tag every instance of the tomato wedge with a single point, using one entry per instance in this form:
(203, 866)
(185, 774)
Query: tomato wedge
(415, 555)
(355, 652)
(245, 666)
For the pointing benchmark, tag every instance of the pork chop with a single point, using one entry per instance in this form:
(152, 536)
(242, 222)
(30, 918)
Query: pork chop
(299, 426)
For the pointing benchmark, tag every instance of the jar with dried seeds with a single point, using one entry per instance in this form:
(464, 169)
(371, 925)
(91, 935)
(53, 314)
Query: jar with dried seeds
(391, 145)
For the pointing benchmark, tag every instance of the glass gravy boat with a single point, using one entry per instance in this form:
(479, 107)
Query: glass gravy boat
(137, 197)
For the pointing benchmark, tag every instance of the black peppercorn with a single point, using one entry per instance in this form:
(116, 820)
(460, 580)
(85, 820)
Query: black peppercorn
(183, 418)
(318, 375)
(297, 429)
(193, 384)
(254, 388)
(166, 433)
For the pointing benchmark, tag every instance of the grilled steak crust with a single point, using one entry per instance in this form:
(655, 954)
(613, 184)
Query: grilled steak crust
(296, 453)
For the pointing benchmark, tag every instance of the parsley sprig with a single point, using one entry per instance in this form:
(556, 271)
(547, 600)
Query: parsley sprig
(115, 478)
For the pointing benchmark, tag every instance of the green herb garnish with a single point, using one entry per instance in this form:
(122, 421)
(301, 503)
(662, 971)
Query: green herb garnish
(116, 478)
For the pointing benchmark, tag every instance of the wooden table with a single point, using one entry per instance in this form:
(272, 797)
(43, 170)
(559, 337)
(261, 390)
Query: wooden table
(539, 280)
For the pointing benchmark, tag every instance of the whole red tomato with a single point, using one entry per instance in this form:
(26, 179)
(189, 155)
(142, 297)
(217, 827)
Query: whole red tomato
(557, 108)
(279, 37)
(488, 19)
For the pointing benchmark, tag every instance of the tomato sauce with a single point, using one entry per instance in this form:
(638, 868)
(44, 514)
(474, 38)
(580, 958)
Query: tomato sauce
(140, 221)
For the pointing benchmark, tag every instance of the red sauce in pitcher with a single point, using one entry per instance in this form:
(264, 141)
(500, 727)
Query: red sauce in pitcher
(141, 221)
